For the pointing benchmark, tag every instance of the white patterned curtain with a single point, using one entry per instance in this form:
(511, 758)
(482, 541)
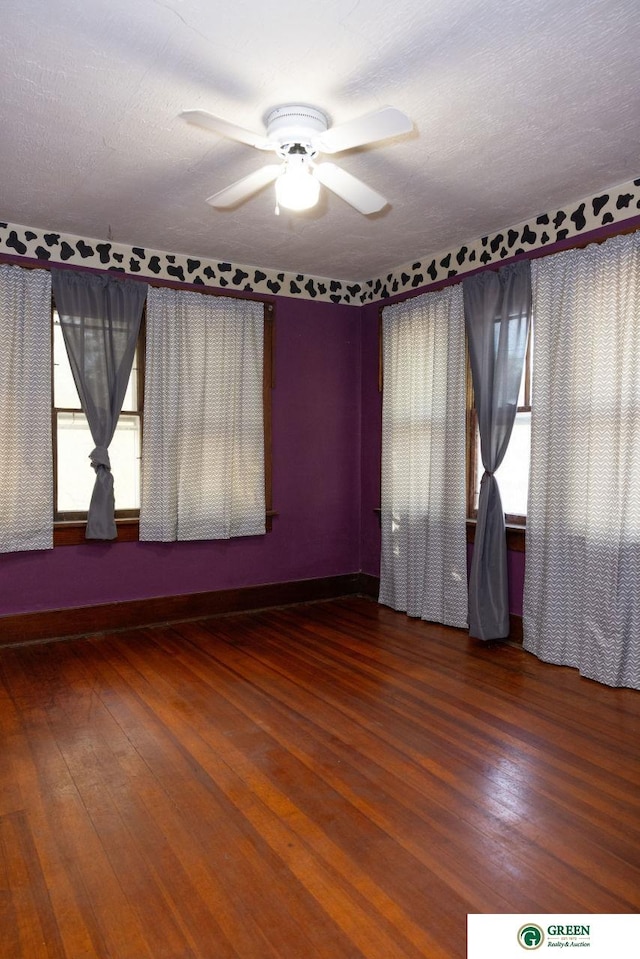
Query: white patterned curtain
(203, 438)
(26, 461)
(424, 549)
(582, 581)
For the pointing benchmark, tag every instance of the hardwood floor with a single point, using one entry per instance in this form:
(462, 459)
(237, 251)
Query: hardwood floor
(327, 781)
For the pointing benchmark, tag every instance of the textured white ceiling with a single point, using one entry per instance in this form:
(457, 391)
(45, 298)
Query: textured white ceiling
(518, 106)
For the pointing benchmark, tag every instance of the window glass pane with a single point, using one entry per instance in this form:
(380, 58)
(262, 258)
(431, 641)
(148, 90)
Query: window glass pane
(124, 453)
(75, 475)
(65, 394)
(130, 401)
(513, 475)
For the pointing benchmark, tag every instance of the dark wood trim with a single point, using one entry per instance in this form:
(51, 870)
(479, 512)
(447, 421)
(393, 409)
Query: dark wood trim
(515, 629)
(21, 628)
(471, 437)
(60, 623)
(516, 533)
(368, 585)
(516, 536)
(515, 520)
(72, 533)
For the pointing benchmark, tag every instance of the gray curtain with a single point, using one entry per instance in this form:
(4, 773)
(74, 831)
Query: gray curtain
(100, 320)
(497, 307)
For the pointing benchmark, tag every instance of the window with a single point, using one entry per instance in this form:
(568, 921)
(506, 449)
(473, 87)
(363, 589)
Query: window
(513, 474)
(72, 442)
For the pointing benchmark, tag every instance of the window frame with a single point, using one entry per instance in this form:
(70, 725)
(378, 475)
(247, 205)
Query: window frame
(473, 435)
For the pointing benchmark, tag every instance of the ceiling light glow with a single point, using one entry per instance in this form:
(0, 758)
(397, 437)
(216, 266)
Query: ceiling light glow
(296, 187)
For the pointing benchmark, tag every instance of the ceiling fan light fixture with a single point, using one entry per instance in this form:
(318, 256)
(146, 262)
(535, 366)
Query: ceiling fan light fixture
(296, 187)
(297, 134)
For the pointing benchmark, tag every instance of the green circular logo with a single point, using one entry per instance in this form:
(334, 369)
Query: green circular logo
(530, 936)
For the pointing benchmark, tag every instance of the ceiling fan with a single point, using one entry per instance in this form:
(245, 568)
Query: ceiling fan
(297, 134)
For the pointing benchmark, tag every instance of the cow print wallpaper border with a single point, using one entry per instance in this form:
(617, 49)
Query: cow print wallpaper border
(612, 206)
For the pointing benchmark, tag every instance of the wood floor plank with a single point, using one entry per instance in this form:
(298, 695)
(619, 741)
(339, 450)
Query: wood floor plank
(25, 895)
(332, 780)
(82, 884)
(207, 790)
(459, 838)
(214, 728)
(304, 738)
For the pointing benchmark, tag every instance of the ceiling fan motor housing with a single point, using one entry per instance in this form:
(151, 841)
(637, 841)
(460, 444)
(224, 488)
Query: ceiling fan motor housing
(295, 129)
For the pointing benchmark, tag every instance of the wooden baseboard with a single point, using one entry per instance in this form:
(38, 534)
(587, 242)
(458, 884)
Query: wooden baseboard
(62, 623)
(515, 629)
(368, 585)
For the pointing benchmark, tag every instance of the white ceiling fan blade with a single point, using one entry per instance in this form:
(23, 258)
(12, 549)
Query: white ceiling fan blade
(242, 189)
(349, 188)
(379, 125)
(201, 118)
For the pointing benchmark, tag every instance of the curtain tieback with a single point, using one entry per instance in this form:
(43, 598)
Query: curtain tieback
(100, 457)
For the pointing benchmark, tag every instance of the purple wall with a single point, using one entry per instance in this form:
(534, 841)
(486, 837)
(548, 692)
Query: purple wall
(326, 482)
(316, 491)
(326, 487)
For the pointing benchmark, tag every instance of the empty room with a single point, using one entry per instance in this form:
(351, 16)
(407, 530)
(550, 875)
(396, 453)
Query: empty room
(319, 479)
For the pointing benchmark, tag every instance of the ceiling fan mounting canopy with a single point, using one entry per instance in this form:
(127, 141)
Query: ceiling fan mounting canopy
(295, 129)
(297, 133)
